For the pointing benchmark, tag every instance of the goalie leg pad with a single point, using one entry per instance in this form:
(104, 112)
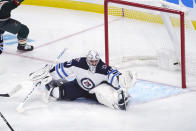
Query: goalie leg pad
(109, 96)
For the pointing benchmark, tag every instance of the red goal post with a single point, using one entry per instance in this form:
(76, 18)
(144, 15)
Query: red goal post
(182, 29)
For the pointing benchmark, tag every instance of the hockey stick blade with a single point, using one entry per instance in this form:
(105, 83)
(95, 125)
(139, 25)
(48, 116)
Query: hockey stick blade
(5, 95)
(15, 89)
(12, 92)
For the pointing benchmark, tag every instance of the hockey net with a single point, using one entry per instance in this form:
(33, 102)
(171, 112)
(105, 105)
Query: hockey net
(160, 43)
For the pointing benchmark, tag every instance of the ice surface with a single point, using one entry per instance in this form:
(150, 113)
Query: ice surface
(153, 107)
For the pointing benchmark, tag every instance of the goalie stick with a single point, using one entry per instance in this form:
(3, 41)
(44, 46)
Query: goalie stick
(20, 107)
(12, 92)
(6, 122)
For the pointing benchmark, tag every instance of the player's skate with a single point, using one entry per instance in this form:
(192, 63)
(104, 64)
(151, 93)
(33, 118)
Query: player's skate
(23, 46)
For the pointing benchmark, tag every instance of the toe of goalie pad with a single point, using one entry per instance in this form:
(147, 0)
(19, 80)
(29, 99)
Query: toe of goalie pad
(122, 103)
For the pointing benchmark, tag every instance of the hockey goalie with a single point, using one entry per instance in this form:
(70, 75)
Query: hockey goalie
(87, 77)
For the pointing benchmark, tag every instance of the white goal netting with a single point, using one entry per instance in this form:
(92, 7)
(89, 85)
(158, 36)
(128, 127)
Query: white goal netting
(152, 44)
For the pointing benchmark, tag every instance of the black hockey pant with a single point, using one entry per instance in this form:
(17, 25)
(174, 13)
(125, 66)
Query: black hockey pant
(14, 27)
(71, 91)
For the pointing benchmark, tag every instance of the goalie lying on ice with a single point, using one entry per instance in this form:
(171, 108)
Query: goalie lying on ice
(87, 77)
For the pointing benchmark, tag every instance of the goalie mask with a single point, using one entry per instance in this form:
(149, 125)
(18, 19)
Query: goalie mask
(92, 60)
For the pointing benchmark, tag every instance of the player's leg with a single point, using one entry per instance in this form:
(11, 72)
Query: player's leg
(22, 31)
(22, 39)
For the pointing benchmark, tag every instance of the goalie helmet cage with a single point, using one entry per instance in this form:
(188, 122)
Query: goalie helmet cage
(154, 8)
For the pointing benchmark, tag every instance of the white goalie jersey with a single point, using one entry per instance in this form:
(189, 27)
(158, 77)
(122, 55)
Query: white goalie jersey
(78, 69)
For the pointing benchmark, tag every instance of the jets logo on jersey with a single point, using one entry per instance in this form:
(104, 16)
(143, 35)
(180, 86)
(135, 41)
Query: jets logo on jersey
(87, 83)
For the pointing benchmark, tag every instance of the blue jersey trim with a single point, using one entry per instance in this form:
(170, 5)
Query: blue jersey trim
(111, 73)
(113, 77)
(65, 74)
(57, 70)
